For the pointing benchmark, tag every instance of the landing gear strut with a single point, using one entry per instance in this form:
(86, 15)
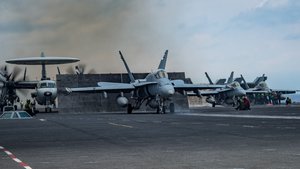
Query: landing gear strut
(129, 109)
(48, 109)
(161, 109)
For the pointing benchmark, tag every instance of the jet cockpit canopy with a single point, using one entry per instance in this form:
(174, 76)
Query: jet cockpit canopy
(234, 84)
(161, 74)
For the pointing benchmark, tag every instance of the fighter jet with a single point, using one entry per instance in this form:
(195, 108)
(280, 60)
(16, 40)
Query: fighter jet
(45, 90)
(155, 90)
(228, 94)
(253, 84)
(263, 86)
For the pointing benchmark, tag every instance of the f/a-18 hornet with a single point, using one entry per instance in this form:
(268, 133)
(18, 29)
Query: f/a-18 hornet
(228, 94)
(155, 90)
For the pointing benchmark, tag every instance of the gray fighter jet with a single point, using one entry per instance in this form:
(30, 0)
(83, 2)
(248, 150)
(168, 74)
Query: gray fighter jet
(276, 94)
(155, 90)
(228, 94)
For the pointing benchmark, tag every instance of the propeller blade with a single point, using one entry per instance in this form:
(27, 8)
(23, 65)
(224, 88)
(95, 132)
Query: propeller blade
(16, 71)
(3, 70)
(58, 70)
(81, 68)
(3, 78)
(25, 71)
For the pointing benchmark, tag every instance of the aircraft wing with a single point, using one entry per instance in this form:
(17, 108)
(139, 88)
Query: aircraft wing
(209, 92)
(104, 87)
(180, 85)
(125, 85)
(284, 91)
(26, 84)
(256, 92)
(141, 84)
(110, 87)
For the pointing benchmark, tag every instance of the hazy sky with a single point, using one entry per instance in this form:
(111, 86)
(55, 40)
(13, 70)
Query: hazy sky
(250, 37)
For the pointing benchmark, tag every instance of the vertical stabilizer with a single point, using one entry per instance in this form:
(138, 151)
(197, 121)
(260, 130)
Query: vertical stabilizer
(264, 77)
(44, 76)
(230, 79)
(132, 80)
(208, 78)
(163, 62)
(246, 84)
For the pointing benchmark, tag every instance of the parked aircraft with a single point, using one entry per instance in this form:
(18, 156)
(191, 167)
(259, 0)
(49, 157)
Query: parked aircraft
(156, 89)
(10, 84)
(228, 94)
(45, 90)
(275, 94)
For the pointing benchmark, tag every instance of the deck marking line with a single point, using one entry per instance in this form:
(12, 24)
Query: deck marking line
(7, 152)
(14, 158)
(244, 116)
(17, 160)
(120, 125)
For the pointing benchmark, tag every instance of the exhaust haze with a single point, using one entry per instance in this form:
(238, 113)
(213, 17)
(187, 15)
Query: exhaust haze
(243, 36)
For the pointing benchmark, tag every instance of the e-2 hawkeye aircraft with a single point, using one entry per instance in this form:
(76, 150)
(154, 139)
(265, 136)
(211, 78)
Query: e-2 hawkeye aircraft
(45, 90)
(156, 89)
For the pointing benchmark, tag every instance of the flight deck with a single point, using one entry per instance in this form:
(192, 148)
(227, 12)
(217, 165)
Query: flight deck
(219, 138)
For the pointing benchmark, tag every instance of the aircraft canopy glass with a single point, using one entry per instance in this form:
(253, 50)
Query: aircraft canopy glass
(161, 74)
(47, 85)
(235, 85)
(263, 85)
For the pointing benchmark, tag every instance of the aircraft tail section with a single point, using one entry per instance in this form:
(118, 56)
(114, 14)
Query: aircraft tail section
(163, 62)
(230, 79)
(44, 76)
(246, 84)
(260, 79)
(220, 82)
(208, 78)
(132, 80)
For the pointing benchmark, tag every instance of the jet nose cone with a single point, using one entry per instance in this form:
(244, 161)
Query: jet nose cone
(167, 91)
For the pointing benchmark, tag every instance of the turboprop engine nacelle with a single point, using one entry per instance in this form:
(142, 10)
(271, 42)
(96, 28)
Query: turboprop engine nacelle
(122, 101)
